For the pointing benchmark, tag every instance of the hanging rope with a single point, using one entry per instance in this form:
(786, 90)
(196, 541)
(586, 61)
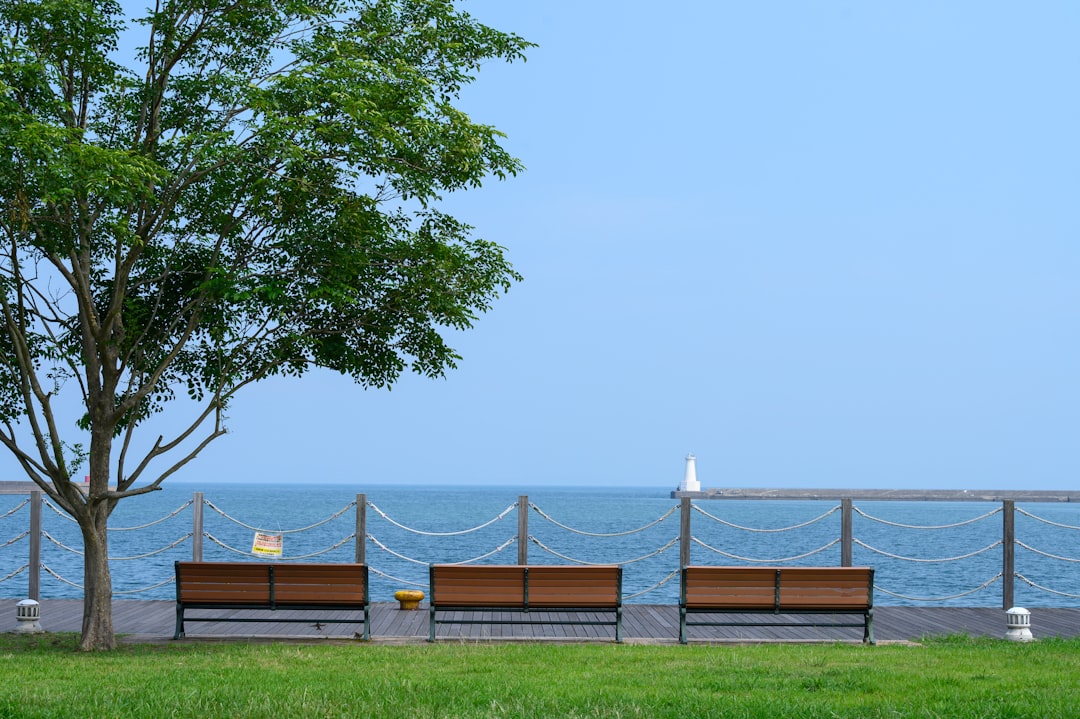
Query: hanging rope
(167, 517)
(1045, 521)
(11, 541)
(331, 518)
(758, 529)
(1046, 554)
(654, 587)
(16, 573)
(387, 549)
(151, 553)
(162, 583)
(60, 544)
(916, 526)
(177, 543)
(979, 588)
(392, 578)
(15, 509)
(1046, 589)
(811, 553)
(916, 559)
(242, 552)
(549, 550)
(488, 523)
(498, 549)
(129, 591)
(601, 534)
(493, 552)
(58, 577)
(59, 511)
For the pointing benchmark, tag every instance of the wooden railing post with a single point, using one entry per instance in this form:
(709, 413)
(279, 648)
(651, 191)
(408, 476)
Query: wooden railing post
(523, 529)
(846, 533)
(684, 532)
(1008, 554)
(196, 527)
(361, 529)
(33, 589)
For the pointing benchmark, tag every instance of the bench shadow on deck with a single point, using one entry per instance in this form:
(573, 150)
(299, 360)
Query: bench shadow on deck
(153, 620)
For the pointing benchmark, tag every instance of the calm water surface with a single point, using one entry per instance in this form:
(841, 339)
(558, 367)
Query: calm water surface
(906, 560)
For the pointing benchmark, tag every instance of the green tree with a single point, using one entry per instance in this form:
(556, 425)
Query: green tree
(254, 194)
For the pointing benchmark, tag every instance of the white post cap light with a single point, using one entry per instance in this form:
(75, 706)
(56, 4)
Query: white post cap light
(27, 612)
(1018, 620)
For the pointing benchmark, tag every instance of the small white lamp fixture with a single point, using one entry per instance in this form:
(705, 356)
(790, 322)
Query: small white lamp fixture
(28, 612)
(1018, 620)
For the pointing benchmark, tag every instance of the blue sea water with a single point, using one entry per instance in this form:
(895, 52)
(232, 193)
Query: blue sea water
(410, 527)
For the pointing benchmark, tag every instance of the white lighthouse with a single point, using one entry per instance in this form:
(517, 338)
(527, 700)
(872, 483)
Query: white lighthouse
(690, 482)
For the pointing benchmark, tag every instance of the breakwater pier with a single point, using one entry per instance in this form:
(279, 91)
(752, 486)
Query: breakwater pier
(884, 495)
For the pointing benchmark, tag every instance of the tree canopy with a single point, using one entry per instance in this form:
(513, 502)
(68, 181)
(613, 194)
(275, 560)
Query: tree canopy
(217, 192)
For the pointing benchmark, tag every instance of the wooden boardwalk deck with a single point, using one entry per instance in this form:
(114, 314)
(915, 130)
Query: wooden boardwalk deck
(143, 620)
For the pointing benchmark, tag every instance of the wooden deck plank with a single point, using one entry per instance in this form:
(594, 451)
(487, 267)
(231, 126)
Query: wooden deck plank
(154, 620)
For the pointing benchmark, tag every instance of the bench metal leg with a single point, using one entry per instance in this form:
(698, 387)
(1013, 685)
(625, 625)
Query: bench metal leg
(179, 622)
(868, 630)
(682, 625)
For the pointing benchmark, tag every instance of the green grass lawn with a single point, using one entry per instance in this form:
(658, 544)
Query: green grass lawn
(43, 676)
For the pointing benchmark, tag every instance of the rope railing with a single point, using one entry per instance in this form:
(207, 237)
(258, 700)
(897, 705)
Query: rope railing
(764, 529)
(14, 574)
(477, 528)
(59, 512)
(604, 534)
(57, 576)
(653, 588)
(929, 561)
(918, 526)
(392, 578)
(1034, 585)
(653, 553)
(1037, 518)
(320, 523)
(159, 520)
(320, 552)
(14, 509)
(493, 552)
(793, 558)
(1046, 554)
(14, 539)
(969, 592)
(151, 553)
(162, 583)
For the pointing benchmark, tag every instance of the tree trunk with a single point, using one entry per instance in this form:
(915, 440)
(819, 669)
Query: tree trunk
(97, 626)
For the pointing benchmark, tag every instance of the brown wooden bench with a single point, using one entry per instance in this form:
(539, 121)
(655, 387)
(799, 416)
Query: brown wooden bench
(709, 594)
(511, 594)
(271, 586)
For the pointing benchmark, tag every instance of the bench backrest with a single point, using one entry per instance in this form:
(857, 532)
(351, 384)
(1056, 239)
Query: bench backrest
(259, 583)
(778, 588)
(320, 584)
(580, 586)
(518, 585)
(477, 585)
(223, 582)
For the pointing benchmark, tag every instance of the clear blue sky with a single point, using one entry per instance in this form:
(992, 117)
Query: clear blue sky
(817, 244)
